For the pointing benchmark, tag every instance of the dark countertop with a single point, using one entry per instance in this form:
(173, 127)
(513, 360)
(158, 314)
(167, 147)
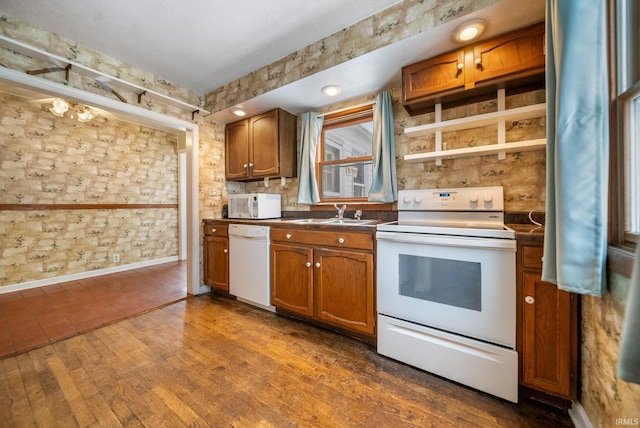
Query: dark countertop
(287, 222)
(528, 232)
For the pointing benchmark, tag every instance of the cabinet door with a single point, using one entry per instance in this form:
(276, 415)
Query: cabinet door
(344, 289)
(292, 278)
(433, 76)
(517, 54)
(547, 336)
(216, 262)
(264, 150)
(237, 150)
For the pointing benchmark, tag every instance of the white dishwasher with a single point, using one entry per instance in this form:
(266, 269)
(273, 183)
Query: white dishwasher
(249, 264)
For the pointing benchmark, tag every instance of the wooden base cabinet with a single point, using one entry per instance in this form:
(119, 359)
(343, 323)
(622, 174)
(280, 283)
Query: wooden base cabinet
(292, 278)
(216, 257)
(344, 289)
(318, 274)
(547, 329)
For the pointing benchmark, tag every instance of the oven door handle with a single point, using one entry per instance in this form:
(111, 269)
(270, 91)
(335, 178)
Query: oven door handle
(449, 241)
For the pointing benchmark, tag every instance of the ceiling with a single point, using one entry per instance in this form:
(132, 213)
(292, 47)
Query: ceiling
(205, 44)
(196, 44)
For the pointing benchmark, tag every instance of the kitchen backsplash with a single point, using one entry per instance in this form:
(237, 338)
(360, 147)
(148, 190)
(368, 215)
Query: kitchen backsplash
(522, 174)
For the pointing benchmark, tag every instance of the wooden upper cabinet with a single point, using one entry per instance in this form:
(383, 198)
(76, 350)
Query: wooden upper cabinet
(516, 54)
(508, 61)
(264, 150)
(261, 146)
(434, 76)
(237, 150)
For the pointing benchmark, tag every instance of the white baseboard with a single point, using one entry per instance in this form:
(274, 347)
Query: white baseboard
(82, 275)
(579, 416)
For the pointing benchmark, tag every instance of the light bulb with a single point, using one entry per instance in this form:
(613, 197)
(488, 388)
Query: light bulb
(85, 115)
(331, 90)
(469, 30)
(59, 108)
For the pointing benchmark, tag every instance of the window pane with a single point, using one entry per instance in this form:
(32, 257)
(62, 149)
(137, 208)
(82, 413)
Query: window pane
(632, 164)
(352, 140)
(347, 147)
(346, 180)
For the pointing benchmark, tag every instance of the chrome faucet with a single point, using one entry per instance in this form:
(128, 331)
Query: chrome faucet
(340, 210)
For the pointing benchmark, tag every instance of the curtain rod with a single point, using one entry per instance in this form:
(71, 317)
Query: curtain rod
(369, 103)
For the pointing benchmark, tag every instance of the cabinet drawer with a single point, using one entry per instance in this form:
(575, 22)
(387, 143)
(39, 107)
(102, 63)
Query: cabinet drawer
(361, 241)
(532, 257)
(215, 230)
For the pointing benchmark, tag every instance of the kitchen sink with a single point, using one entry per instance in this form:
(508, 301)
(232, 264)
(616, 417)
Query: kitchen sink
(350, 221)
(333, 221)
(311, 220)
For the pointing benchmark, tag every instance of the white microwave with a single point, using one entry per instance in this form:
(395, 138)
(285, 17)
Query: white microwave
(255, 206)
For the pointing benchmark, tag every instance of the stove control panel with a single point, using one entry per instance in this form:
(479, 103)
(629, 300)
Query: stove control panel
(458, 199)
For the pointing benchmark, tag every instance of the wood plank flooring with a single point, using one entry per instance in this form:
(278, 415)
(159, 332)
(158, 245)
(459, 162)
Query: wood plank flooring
(43, 315)
(212, 361)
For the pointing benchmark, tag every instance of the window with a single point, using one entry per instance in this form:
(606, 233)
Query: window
(625, 124)
(345, 160)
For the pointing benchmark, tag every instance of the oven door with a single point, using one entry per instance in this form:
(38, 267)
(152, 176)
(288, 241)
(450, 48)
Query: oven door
(461, 285)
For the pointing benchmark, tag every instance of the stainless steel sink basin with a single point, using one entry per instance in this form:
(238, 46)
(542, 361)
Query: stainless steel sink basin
(350, 221)
(311, 220)
(333, 221)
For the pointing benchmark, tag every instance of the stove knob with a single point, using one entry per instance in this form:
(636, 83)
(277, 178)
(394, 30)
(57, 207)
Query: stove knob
(488, 197)
(406, 199)
(417, 199)
(473, 197)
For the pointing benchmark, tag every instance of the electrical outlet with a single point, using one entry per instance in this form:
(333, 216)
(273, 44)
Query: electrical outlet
(116, 258)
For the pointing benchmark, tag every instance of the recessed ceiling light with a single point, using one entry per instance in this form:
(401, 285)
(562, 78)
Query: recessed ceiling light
(331, 90)
(239, 112)
(469, 30)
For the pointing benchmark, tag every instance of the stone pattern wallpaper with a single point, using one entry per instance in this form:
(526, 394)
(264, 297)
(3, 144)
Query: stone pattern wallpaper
(603, 395)
(522, 174)
(58, 160)
(398, 22)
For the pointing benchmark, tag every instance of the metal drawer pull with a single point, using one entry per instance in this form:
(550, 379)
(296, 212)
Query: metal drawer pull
(245, 166)
(226, 251)
(341, 240)
(213, 231)
(530, 300)
(288, 235)
(478, 61)
(308, 264)
(460, 66)
(317, 265)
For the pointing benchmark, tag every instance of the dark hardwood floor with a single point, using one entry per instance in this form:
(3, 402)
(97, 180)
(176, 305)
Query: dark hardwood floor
(43, 315)
(213, 361)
